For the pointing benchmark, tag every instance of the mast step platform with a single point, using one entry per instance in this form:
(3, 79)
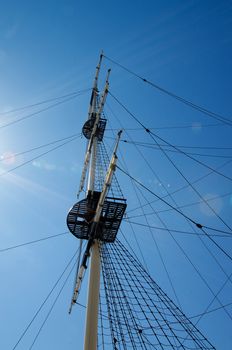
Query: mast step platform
(81, 215)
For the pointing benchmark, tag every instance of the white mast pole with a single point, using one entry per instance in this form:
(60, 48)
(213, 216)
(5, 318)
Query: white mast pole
(90, 157)
(91, 326)
(95, 264)
(93, 100)
(92, 110)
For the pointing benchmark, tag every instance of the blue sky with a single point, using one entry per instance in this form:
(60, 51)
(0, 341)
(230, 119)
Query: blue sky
(49, 49)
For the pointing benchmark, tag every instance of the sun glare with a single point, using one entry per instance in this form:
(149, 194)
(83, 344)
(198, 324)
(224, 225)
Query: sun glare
(8, 158)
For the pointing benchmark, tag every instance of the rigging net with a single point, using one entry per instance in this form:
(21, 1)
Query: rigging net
(136, 312)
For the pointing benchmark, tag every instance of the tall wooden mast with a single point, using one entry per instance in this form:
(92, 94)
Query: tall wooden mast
(97, 217)
(91, 325)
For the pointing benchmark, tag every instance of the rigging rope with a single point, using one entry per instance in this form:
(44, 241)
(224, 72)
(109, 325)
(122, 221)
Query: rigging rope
(165, 147)
(43, 102)
(140, 313)
(203, 110)
(44, 302)
(175, 230)
(32, 242)
(44, 109)
(174, 201)
(37, 157)
(198, 225)
(3, 158)
(151, 133)
(52, 307)
(179, 207)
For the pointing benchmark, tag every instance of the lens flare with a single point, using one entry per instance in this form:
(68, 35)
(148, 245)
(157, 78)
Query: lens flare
(8, 158)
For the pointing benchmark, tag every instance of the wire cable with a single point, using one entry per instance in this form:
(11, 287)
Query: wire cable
(164, 147)
(51, 308)
(159, 197)
(32, 242)
(186, 186)
(44, 302)
(37, 157)
(179, 207)
(203, 200)
(3, 158)
(192, 126)
(42, 102)
(228, 235)
(180, 146)
(203, 110)
(158, 248)
(166, 142)
(154, 212)
(42, 110)
(192, 187)
(152, 134)
(198, 225)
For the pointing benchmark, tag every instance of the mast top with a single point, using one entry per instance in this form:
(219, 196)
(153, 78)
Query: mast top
(95, 125)
(97, 71)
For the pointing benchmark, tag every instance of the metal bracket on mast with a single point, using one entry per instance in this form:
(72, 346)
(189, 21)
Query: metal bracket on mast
(96, 221)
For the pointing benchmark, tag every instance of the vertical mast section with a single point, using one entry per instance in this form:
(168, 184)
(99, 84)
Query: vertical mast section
(94, 114)
(91, 114)
(96, 218)
(91, 325)
(93, 143)
(92, 168)
(93, 99)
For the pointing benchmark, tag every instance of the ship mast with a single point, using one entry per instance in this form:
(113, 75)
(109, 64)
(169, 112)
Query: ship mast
(95, 264)
(91, 325)
(97, 217)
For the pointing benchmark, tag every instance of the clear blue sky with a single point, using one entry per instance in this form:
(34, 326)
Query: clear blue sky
(50, 48)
